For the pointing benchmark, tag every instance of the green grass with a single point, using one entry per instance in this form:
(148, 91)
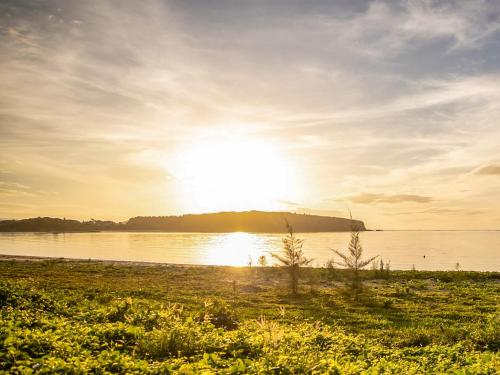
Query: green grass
(92, 317)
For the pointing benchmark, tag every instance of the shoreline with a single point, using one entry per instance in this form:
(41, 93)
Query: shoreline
(133, 263)
(36, 258)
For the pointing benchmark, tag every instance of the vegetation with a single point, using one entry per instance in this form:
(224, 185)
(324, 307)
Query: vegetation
(97, 317)
(292, 257)
(262, 261)
(249, 221)
(353, 261)
(49, 224)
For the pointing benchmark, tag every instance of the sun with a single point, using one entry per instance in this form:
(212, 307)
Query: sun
(233, 175)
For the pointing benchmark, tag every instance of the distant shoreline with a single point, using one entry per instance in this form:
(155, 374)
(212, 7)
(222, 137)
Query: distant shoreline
(227, 232)
(165, 231)
(35, 258)
(219, 222)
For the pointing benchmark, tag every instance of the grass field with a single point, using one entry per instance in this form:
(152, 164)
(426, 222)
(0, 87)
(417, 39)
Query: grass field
(95, 317)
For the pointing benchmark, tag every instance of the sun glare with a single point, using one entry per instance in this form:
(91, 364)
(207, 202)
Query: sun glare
(235, 249)
(233, 176)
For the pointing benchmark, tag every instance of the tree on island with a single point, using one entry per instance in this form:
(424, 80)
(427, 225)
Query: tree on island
(352, 260)
(292, 257)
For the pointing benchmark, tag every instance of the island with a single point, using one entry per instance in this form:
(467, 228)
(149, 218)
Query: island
(220, 222)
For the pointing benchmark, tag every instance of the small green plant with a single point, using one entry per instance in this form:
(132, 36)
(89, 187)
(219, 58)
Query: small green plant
(331, 269)
(388, 302)
(353, 261)
(118, 310)
(292, 257)
(218, 313)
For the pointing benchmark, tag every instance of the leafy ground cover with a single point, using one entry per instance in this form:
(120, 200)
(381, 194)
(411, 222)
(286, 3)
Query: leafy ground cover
(96, 317)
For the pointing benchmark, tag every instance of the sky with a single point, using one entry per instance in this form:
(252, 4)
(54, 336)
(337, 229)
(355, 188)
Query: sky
(114, 109)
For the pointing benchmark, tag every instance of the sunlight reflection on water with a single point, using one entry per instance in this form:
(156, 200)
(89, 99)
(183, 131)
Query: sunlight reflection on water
(231, 248)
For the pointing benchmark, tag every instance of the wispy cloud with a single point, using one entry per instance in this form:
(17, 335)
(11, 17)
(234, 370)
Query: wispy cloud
(13, 189)
(395, 28)
(369, 198)
(492, 169)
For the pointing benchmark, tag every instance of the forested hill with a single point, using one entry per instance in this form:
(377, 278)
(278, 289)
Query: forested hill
(250, 221)
(50, 224)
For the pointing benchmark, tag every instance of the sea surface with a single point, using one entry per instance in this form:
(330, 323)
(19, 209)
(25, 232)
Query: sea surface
(423, 250)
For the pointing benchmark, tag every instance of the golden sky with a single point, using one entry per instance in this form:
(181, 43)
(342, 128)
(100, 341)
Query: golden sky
(112, 109)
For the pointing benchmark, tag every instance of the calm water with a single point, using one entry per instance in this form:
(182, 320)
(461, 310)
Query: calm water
(478, 251)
